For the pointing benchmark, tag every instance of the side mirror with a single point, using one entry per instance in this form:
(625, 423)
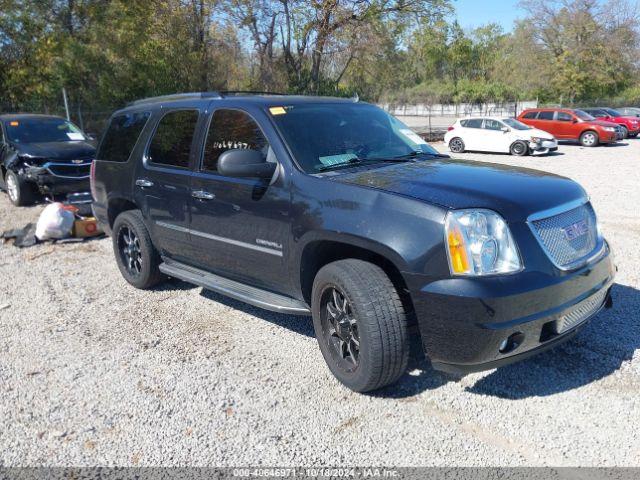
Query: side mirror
(575, 120)
(505, 129)
(91, 136)
(245, 163)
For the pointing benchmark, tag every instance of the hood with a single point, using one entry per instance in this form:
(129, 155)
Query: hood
(534, 132)
(514, 192)
(602, 123)
(60, 151)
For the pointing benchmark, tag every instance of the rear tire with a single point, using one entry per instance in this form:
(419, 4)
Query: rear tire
(21, 193)
(137, 258)
(360, 324)
(589, 139)
(456, 145)
(519, 149)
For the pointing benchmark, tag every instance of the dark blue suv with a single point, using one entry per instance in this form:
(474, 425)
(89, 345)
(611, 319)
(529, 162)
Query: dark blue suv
(333, 208)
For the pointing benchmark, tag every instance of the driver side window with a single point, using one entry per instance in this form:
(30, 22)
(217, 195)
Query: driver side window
(492, 125)
(229, 130)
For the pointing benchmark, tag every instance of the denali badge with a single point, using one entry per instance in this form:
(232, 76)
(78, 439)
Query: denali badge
(576, 230)
(77, 161)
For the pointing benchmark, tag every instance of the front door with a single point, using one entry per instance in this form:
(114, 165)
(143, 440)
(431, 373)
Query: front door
(565, 125)
(163, 181)
(493, 138)
(239, 226)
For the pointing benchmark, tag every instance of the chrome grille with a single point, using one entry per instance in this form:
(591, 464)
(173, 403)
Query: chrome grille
(568, 237)
(581, 312)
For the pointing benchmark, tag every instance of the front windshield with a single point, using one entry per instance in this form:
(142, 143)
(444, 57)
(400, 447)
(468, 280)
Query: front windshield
(515, 124)
(583, 115)
(327, 136)
(612, 112)
(42, 130)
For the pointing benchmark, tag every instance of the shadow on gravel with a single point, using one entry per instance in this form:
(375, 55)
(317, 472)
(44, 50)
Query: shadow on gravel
(419, 377)
(609, 339)
(298, 324)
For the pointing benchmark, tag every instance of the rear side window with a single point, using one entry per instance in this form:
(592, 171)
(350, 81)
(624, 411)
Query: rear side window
(231, 129)
(564, 117)
(472, 123)
(545, 116)
(530, 115)
(121, 136)
(171, 144)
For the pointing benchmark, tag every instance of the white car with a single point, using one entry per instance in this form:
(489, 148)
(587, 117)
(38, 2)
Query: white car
(500, 135)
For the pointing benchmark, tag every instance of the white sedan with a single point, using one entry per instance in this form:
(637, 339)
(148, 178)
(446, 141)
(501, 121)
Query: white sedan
(500, 135)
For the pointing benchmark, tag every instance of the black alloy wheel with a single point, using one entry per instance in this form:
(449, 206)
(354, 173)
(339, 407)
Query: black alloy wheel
(129, 249)
(340, 328)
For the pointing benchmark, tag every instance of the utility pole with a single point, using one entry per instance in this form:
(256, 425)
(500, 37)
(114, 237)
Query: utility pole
(66, 103)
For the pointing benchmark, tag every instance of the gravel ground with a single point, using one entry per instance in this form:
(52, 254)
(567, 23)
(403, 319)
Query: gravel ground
(93, 371)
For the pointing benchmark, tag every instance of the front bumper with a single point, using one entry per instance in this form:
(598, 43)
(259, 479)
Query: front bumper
(544, 146)
(52, 184)
(466, 322)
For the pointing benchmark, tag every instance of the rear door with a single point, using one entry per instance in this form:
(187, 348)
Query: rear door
(239, 226)
(3, 152)
(472, 133)
(546, 121)
(163, 181)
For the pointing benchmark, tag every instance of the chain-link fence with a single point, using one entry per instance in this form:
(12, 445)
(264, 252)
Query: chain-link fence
(432, 121)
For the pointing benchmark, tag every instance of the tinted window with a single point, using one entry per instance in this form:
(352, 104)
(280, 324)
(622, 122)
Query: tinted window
(513, 123)
(564, 117)
(231, 129)
(473, 123)
(583, 115)
(331, 135)
(42, 130)
(171, 144)
(545, 116)
(530, 115)
(121, 136)
(613, 113)
(492, 125)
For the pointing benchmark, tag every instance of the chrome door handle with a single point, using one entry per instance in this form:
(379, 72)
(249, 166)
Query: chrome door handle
(202, 195)
(144, 183)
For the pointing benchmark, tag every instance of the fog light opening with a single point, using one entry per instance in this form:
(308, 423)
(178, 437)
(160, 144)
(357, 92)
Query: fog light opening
(512, 342)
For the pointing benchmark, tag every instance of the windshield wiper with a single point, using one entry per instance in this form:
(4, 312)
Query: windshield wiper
(349, 163)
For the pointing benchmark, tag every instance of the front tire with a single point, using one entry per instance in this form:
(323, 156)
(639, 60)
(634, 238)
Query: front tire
(137, 258)
(456, 145)
(589, 139)
(361, 324)
(21, 193)
(625, 131)
(519, 149)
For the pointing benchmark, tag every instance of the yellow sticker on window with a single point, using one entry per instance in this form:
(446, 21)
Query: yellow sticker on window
(14, 124)
(277, 110)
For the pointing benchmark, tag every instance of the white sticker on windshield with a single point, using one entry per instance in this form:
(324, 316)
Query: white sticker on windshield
(413, 136)
(75, 136)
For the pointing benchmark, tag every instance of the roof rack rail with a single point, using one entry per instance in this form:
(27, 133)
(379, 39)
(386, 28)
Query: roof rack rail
(176, 96)
(248, 92)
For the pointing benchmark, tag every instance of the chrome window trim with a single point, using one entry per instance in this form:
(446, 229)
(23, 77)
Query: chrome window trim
(551, 212)
(257, 248)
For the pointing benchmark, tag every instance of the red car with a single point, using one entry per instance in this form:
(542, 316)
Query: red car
(568, 124)
(630, 125)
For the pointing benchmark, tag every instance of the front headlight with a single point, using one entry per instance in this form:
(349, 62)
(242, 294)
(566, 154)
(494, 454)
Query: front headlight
(610, 129)
(479, 243)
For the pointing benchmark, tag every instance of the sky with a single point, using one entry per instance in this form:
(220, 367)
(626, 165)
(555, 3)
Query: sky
(474, 13)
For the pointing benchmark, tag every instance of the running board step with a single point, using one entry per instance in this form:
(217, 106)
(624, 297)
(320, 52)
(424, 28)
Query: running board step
(230, 288)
